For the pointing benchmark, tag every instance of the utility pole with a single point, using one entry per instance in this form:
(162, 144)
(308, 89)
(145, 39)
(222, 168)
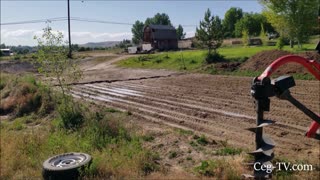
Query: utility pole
(70, 50)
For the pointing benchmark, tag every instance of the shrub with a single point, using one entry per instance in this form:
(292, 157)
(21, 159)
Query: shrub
(245, 37)
(158, 60)
(17, 57)
(193, 61)
(214, 57)
(102, 130)
(70, 115)
(202, 140)
(206, 168)
(280, 43)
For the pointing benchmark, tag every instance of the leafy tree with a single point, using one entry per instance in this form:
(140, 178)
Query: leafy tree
(295, 18)
(230, 19)
(210, 32)
(2, 46)
(137, 28)
(160, 19)
(53, 63)
(180, 33)
(137, 32)
(252, 22)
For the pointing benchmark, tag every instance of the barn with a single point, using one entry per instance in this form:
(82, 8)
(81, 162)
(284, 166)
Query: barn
(160, 37)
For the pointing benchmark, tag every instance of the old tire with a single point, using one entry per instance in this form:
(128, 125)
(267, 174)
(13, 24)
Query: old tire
(65, 166)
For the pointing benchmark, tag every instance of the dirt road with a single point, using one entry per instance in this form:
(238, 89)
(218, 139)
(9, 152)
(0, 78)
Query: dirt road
(106, 70)
(218, 106)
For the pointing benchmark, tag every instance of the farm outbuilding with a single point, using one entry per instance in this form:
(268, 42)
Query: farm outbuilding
(160, 37)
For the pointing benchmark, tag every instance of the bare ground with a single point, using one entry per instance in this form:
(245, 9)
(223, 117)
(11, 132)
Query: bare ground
(219, 106)
(106, 70)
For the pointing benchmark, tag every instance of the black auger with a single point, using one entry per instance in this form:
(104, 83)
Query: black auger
(262, 89)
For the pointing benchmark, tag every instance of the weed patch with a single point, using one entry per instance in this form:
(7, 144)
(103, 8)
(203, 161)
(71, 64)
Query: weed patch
(220, 169)
(173, 154)
(228, 151)
(202, 140)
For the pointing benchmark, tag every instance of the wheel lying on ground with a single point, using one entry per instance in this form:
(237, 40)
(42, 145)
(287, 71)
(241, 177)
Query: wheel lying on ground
(65, 166)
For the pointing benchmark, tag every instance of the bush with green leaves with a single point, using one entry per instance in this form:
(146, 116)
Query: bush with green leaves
(70, 114)
(280, 42)
(53, 62)
(214, 57)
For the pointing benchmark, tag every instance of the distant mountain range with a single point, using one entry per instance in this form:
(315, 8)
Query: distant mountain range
(100, 44)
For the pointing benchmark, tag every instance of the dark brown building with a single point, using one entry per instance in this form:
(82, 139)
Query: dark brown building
(160, 37)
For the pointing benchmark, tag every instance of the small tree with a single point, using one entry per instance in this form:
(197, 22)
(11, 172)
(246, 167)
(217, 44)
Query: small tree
(210, 32)
(52, 61)
(263, 35)
(137, 32)
(280, 43)
(245, 37)
(180, 33)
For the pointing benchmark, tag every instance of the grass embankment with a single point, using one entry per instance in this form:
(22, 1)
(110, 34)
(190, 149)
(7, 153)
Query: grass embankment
(32, 131)
(194, 60)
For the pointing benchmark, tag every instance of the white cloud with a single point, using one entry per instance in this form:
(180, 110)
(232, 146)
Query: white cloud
(190, 34)
(25, 36)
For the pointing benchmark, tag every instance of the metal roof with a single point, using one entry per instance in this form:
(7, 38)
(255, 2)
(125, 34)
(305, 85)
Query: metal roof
(163, 32)
(161, 27)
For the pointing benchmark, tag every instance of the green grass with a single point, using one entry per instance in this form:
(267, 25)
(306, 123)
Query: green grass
(202, 140)
(28, 56)
(192, 60)
(228, 151)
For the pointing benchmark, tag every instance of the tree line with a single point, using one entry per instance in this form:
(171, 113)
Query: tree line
(157, 19)
(293, 21)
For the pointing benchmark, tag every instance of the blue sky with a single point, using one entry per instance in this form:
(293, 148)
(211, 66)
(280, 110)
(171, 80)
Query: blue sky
(180, 12)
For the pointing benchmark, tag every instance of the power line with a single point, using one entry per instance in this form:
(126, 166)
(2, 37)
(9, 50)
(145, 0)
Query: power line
(35, 21)
(100, 21)
(74, 19)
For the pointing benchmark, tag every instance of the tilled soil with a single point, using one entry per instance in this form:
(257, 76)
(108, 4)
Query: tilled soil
(219, 106)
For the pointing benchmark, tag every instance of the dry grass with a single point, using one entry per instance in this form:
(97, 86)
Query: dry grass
(29, 137)
(22, 95)
(24, 150)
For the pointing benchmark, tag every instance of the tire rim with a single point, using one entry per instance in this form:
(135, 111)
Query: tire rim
(68, 160)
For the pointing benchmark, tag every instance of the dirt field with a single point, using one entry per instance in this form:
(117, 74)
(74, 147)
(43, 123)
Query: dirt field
(218, 106)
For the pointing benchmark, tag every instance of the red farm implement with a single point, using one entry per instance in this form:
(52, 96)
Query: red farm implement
(262, 89)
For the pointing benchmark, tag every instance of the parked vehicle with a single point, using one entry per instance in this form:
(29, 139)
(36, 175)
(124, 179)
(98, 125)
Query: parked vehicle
(6, 52)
